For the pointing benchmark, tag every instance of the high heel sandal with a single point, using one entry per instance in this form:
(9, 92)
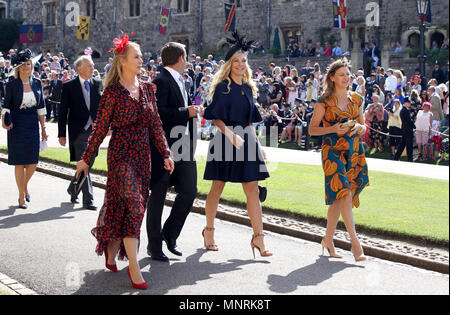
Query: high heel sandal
(265, 253)
(212, 247)
(24, 206)
(113, 268)
(359, 257)
(325, 246)
(139, 286)
(27, 198)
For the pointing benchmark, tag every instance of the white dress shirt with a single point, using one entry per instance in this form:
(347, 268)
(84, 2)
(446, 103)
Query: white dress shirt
(391, 84)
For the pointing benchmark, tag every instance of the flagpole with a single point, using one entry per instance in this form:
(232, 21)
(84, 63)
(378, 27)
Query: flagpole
(115, 19)
(63, 30)
(200, 22)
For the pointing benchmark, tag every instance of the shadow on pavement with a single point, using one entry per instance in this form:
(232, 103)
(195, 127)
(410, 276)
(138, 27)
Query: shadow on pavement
(8, 212)
(323, 269)
(55, 213)
(161, 277)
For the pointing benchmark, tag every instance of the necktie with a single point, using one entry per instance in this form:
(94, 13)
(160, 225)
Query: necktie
(184, 90)
(86, 86)
(88, 104)
(185, 96)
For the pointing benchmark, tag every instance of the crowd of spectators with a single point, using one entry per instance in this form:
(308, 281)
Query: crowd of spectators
(287, 95)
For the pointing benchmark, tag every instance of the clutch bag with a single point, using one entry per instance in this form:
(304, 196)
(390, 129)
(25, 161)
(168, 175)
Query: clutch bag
(77, 184)
(8, 120)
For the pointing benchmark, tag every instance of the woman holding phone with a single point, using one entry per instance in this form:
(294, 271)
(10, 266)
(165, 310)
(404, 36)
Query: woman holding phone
(343, 159)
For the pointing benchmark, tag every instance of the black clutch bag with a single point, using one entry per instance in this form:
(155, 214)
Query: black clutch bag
(8, 120)
(76, 184)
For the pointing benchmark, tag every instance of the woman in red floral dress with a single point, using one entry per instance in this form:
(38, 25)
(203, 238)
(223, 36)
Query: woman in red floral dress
(128, 108)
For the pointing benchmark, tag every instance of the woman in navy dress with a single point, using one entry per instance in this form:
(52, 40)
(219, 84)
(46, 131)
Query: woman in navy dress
(22, 112)
(235, 153)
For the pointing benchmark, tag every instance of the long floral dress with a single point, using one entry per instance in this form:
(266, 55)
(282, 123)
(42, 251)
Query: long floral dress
(343, 158)
(133, 123)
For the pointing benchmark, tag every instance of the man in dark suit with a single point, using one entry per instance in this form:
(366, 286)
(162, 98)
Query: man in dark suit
(197, 79)
(375, 54)
(55, 94)
(177, 116)
(79, 104)
(408, 128)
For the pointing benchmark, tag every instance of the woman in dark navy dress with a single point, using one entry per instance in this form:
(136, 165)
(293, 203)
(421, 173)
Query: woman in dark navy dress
(22, 112)
(235, 154)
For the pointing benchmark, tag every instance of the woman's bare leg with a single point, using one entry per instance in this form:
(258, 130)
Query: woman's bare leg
(19, 172)
(131, 247)
(212, 203)
(29, 171)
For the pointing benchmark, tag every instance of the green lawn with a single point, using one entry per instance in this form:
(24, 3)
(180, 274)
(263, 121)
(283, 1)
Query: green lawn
(400, 204)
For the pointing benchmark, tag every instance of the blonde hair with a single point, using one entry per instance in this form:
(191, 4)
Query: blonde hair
(399, 75)
(362, 80)
(329, 87)
(115, 73)
(294, 70)
(224, 74)
(17, 70)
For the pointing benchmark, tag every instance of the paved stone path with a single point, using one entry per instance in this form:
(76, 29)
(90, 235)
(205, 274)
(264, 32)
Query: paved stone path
(49, 249)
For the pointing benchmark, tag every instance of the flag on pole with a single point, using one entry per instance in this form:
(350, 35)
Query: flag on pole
(164, 20)
(427, 17)
(83, 28)
(31, 33)
(340, 13)
(88, 51)
(230, 17)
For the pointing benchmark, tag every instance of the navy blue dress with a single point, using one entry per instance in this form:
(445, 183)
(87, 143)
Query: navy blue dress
(236, 108)
(23, 138)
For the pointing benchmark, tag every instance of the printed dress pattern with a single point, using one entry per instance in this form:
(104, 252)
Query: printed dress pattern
(343, 158)
(134, 123)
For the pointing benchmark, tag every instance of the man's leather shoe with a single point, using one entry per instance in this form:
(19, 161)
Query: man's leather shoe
(90, 207)
(157, 256)
(172, 247)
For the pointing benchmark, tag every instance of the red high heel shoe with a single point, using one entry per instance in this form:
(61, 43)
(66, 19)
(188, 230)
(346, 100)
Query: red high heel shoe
(140, 286)
(113, 268)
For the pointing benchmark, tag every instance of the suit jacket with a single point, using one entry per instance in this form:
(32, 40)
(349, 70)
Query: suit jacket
(408, 125)
(14, 95)
(73, 110)
(55, 91)
(173, 113)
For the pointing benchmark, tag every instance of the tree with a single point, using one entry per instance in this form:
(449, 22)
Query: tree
(276, 47)
(10, 33)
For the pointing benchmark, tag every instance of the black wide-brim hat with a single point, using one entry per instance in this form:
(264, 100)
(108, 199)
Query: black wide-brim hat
(19, 59)
(239, 43)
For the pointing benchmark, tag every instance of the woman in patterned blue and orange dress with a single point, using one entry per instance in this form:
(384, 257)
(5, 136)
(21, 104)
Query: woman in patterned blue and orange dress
(343, 158)
(128, 108)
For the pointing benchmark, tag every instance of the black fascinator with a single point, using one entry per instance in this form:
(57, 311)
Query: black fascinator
(239, 43)
(19, 59)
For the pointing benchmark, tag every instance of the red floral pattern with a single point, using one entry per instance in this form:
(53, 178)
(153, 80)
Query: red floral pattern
(133, 124)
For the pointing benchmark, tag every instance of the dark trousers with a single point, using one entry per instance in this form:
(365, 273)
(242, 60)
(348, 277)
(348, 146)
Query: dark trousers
(51, 106)
(184, 179)
(80, 145)
(407, 141)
